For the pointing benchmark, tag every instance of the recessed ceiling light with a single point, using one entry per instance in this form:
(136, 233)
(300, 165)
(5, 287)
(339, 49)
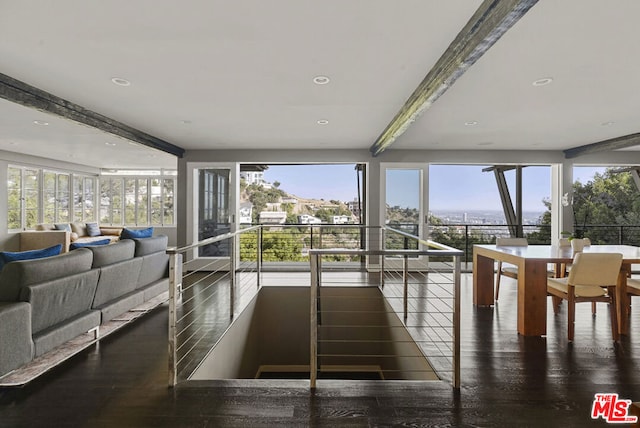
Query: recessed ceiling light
(120, 81)
(609, 123)
(110, 144)
(185, 122)
(542, 82)
(40, 122)
(323, 122)
(471, 123)
(321, 80)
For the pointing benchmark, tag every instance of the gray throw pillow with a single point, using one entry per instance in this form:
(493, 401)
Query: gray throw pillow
(93, 229)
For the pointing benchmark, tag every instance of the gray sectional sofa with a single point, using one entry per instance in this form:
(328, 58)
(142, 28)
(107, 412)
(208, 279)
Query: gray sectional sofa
(46, 302)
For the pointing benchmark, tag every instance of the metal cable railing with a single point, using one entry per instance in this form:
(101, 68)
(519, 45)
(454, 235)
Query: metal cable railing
(405, 325)
(197, 287)
(207, 295)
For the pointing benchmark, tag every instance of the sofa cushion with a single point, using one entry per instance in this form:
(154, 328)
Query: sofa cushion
(45, 226)
(118, 306)
(145, 246)
(79, 228)
(137, 233)
(63, 226)
(8, 256)
(105, 255)
(77, 245)
(116, 280)
(15, 336)
(21, 273)
(110, 231)
(56, 335)
(93, 229)
(53, 302)
(155, 267)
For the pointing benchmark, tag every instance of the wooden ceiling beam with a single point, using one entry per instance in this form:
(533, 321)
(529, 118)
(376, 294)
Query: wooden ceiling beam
(492, 19)
(29, 96)
(604, 146)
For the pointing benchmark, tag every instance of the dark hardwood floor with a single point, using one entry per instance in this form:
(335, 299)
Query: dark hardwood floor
(507, 381)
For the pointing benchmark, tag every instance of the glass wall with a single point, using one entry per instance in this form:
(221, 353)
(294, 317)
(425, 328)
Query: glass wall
(44, 196)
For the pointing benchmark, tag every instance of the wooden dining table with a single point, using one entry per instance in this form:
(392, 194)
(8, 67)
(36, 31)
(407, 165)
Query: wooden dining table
(532, 262)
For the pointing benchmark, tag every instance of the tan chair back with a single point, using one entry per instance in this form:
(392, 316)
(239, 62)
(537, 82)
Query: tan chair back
(595, 269)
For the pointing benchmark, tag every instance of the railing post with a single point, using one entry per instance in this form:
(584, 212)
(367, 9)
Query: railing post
(175, 290)
(232, 274)
(259, 256)
(620, 235)
(405, 281)
(456, 322)
(383, 247)
(466, 246)
(313, 334)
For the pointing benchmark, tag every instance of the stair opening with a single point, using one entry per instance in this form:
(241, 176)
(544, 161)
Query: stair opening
(359, 338)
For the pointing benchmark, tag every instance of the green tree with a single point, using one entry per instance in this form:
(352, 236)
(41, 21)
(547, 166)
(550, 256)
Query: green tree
(281, 246)
(600, 206)
(324, 214)
(609, 199)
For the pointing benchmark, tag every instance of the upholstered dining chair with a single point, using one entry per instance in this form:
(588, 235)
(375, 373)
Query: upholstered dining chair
(633, 289)
(563, 268)
(560, 269)
(591, 279)
(508, 270)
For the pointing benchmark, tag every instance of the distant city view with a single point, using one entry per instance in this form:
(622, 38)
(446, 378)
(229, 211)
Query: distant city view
(311, 189)
(483, 217)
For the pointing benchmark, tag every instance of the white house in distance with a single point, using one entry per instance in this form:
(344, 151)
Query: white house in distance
(273, 217)
(253, 177)
(308, 219)
(289, 200)
(341, 219)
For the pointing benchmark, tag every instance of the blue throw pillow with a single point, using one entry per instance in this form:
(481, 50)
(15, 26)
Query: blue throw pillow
(76, 245)
(139, 233)
(63, 226)
(93, 229)
(8, 256)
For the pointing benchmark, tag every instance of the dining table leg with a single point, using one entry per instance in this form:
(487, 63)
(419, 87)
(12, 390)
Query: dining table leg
(532, 298)
(482, 280)
(622, 299)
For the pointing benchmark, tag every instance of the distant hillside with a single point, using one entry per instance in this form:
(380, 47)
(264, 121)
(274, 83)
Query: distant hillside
(276, 199)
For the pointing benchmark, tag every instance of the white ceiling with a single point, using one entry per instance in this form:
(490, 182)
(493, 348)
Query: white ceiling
(214, 74)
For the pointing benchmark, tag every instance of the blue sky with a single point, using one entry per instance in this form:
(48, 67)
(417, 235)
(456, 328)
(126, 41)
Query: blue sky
(316, 181)
(451, 187)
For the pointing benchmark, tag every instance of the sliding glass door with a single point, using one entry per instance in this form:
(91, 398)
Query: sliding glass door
(404, 190)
